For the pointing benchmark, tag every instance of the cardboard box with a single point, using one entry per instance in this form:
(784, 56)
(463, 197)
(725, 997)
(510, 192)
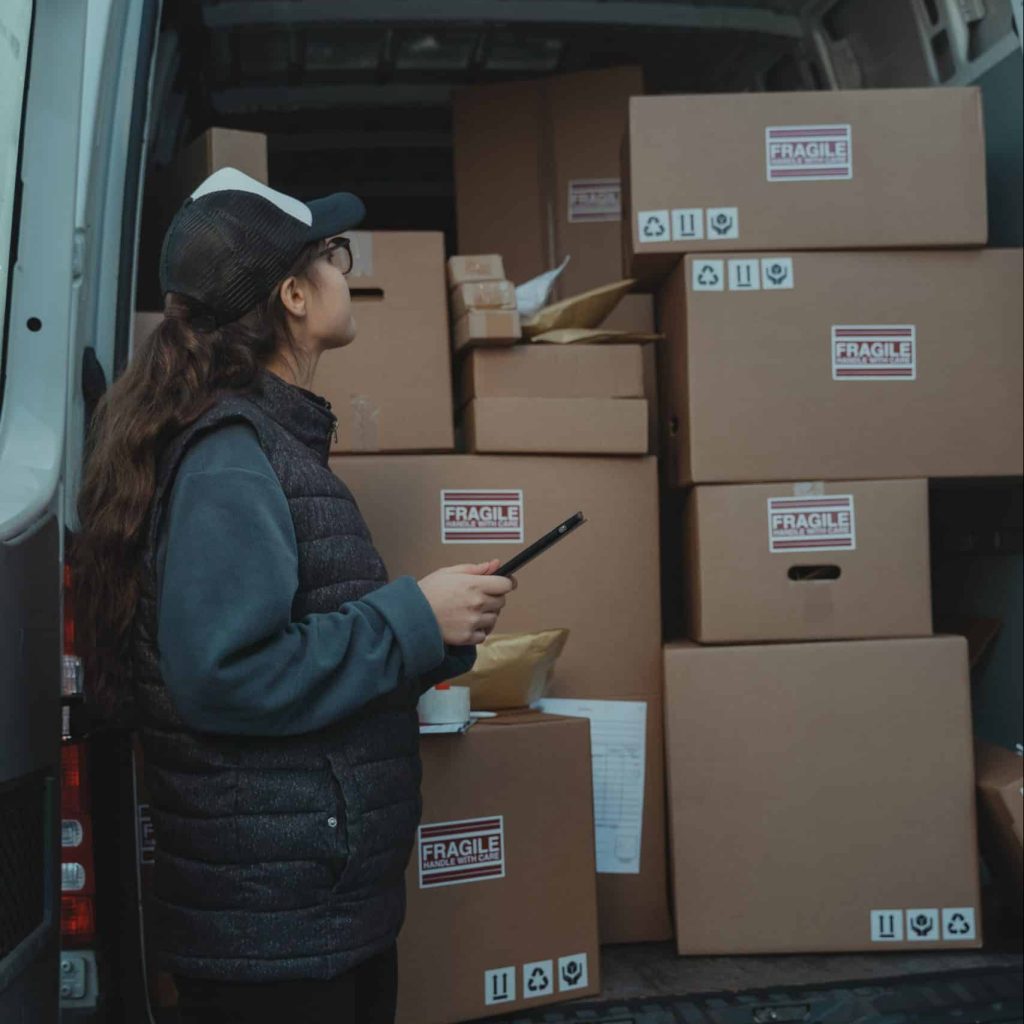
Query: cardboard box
(487, 327)
(774, 562)
(557, 426)
(602, 584)
(482, 295)
(554, 371)
(467, 269)
(821, 797)
(1000, 781)
(537, 173)
(835, 169)
(213, 149)
(514, 925)
(391, 388)
(857, 366)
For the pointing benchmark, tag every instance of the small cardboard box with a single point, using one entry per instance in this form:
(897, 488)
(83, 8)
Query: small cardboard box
(821, 797)
(843, 366)
(482, 295)
(1000, 781)
(784, 562)
(834, 169)
(557, 426)
(468, 269)
(554, 371)
(487, 327)
(213, 149)
(602, 584)
(391, 388)
(537, 173)
(502, 911)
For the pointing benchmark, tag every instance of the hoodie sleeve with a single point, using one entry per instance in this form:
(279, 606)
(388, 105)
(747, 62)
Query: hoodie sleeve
(232, 658)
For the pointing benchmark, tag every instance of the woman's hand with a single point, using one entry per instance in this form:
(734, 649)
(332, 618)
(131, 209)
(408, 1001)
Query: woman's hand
(466, 600)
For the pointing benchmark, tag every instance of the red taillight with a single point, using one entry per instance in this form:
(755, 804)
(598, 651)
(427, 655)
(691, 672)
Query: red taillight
(74, 792)
(69, 612)
(77, 920)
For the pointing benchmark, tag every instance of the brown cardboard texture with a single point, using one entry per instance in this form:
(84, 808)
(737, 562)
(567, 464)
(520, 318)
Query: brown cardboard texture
(602, 584)
(635, 313)
(501, 899)
(391, 388)
(485, 327)
(821, 797)
(835, 169)
(557, 426)
(863, 365)
(209, 152)
(554, 371)
(1000, 781)
(783, 562)
(482, 295)
(468, 269)
(537, 173)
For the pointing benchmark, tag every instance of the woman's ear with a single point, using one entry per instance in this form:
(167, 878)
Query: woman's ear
(293, 296)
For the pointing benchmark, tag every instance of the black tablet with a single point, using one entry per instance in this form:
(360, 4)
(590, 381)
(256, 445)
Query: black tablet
(539, 546)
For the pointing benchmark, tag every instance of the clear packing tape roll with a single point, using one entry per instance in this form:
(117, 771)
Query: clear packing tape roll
(444, 705)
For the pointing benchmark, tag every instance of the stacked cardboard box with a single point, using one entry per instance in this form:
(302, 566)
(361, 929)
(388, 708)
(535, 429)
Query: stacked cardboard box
(483, 302)
(806, 398)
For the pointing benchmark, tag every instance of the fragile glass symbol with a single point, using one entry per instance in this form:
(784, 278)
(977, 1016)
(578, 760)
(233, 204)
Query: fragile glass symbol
(571, 973)
(922, 924)
(721, 223)
(776, 273)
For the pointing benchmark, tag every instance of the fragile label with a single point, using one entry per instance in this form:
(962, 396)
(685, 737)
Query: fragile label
(874, 352)
(595, 199)
(810, 523)
(483, 516)
(454, 852)
(809, 152)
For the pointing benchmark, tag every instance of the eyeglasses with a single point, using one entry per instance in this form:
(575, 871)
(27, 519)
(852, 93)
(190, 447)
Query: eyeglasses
(341, 246)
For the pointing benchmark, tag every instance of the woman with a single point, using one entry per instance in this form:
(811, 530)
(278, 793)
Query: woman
(229, 589)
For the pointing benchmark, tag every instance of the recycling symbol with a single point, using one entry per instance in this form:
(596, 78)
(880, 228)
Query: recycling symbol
(776, 273)
(707, 276)
(721, 223)
(922, 925)
(539, 980)
(571, 973)
(653, 227)
(958, 925)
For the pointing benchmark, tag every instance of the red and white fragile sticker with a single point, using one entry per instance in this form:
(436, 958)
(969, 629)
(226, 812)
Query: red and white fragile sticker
(455, 852)
(874, 352)
(808, 523)
(595, 199)
(808, 152)
(482, 516)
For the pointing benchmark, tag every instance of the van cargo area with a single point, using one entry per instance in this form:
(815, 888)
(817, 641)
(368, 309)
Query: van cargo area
(755, 755)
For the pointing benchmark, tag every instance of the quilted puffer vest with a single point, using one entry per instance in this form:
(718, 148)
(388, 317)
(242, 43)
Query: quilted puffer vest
(279, 857)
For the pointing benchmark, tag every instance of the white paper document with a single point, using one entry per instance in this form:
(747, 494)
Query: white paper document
(618, 738)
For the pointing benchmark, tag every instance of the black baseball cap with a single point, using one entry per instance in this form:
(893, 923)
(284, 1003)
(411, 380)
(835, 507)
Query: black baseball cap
(234, 238)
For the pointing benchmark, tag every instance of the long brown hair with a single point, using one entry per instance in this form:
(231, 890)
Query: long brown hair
(174, 376)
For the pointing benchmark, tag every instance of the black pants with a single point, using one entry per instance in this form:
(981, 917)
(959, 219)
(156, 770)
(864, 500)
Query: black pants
(364, 995)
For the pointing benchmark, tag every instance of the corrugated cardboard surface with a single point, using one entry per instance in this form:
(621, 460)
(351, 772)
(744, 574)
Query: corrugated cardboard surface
(482, 295)
(602, 584)
(918, 171)
(487, 327)
(557, 426)
(1000, 777)
(482, 267)
(533, 770)
(750, 396)
(391, 388)
(811, 784)
(517, 148)
(741, 591)
(635, 313)
(554, 371)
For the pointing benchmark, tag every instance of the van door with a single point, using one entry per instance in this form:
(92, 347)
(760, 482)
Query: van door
(41, 55)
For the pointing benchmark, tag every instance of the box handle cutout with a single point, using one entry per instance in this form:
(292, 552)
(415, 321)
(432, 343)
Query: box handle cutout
(814, 572)
(364, 294)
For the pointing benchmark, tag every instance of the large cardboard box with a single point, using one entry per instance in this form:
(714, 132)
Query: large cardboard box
(391, 388)
(557, 426)
(836, 169)
(1000, 781)
(537, 173)
(778, 562)
(635, 312)
(602, 584)
(554, 371)
(821, 797)
(849, 366)
(502, 908)
(213, 149)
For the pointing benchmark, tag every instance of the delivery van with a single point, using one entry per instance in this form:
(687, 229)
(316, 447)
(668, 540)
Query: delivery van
(103, 105)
